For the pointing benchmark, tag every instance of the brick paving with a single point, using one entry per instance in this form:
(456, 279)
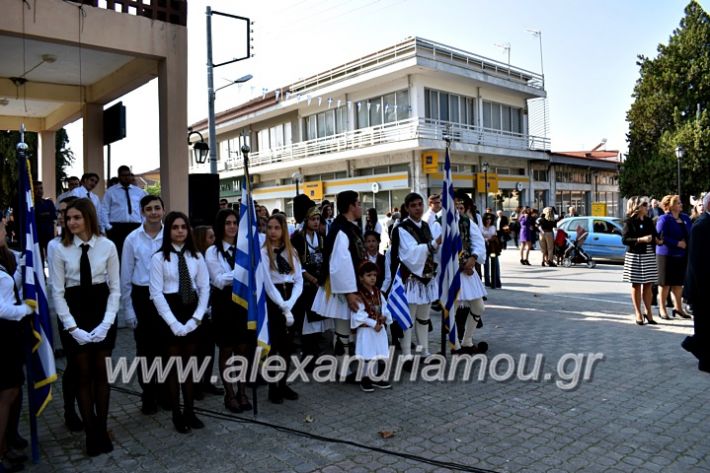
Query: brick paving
(644, 410)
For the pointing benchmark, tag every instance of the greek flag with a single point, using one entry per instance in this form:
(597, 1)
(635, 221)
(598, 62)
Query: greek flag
(397, 303)
(450, 276)
(248, 285)
(41, 372)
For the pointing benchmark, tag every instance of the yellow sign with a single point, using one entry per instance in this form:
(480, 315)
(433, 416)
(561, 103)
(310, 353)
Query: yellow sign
(430, 162)
(598, 209)
(492, 182)
(314, 190)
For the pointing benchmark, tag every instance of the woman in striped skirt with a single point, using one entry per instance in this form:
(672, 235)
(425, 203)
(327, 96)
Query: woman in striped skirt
(640, 268)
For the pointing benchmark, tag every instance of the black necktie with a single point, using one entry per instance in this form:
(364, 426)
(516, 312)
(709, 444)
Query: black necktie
(88, 195)
(184, 283)
(128, 199)
(230, 256)
(85, 267)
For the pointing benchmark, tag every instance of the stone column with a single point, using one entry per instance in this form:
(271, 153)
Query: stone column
(47, 165)
(93, 120)
(172, 94)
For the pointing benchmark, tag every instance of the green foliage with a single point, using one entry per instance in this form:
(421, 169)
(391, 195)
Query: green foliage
(64, 158)
(153, 189)
(8, 162)
(672, 96)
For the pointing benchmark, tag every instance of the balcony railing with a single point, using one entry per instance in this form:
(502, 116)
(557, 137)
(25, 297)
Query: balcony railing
(404, 130)
(169, 11)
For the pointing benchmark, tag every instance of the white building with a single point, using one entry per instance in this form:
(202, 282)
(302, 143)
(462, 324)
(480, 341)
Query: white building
(377, 125)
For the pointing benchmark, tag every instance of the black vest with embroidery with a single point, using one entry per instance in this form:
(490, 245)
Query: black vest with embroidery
(465, 232)
(356, 246)
(422, 235)
(311, 259)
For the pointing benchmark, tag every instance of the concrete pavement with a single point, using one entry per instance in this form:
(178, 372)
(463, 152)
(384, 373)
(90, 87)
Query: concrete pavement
(644, 409)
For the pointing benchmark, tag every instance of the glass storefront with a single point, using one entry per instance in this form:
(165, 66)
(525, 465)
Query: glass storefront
(566, 199)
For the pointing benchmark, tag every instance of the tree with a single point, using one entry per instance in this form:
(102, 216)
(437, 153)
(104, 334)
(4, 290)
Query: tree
(8, 162)
(153, 189)
(670, 109)
(64, 158)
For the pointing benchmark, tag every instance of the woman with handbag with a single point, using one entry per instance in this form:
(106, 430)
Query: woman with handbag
(491, 268)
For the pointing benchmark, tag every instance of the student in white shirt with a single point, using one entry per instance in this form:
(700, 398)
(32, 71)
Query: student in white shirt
(121, 209)
(140, 313)
(69, 378)
(12, 349)
(86, 289)
(284, 284)
(180, 289)
(88, 183)
(229, 320)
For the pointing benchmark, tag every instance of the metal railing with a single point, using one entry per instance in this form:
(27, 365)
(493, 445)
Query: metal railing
(169, 11)
(393, 132)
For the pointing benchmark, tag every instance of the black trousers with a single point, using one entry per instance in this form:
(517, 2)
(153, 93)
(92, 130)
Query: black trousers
(118, 233)
(145, 335)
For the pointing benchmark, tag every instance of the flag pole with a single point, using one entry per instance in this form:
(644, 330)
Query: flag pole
(22, 216)
(247, 182)
(447, 140)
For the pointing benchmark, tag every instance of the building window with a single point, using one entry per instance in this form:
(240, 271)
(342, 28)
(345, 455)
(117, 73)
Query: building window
(274, 137)
(383, 109)
(566, 199)
(444, 106)
(611, 199)
(501, 117)
(540, 175)
(573, 175)
(326, 123)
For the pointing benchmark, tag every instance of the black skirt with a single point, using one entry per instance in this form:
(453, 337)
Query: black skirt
(671, 270)
(88, 309)
(280, 335)
(183, 313)
(12, 354)
(229, 320)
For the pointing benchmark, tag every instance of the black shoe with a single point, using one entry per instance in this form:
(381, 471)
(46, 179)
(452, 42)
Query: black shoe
(663, 316)
(105, 444)
(522, 261)
(650, 320)
(192, 420)
(17, 442)
(543, 263)
(149, 407)
(384, 384)
(73, 422)
(209, 388)
(244, 403)
(527, 263)
(232, 405)
(180, 423)
(289, 393)
(639, 322)
(93, 446)
(366, 385)
(680, 314)
(551, 264)
(275, 395)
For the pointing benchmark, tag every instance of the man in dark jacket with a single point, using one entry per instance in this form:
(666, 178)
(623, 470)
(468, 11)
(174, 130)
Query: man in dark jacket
(697, 281)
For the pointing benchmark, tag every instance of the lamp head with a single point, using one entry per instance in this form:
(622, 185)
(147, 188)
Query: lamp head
(679, 152)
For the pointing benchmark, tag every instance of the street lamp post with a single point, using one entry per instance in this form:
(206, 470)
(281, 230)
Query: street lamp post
(484, 166)
(199, 148)
(297, 177)
(679, 154)
(211, 128)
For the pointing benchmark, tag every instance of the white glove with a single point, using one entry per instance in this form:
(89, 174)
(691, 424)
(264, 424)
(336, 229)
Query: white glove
(28, 309)
(289, 318)
(100, 332)
(178, 329)
(190, 326)
(131, 322)
(81, 336)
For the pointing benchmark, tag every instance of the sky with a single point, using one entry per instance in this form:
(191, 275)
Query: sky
(589, 55)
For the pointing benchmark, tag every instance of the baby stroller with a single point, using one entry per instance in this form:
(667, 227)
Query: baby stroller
(570, 252)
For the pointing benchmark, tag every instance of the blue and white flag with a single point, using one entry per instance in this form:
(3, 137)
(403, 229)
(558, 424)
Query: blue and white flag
(397, 303)
(451, 245)
(249, 272)
(41, 372)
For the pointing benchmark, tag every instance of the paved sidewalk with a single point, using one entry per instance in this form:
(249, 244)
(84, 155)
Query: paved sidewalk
(645, 408)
